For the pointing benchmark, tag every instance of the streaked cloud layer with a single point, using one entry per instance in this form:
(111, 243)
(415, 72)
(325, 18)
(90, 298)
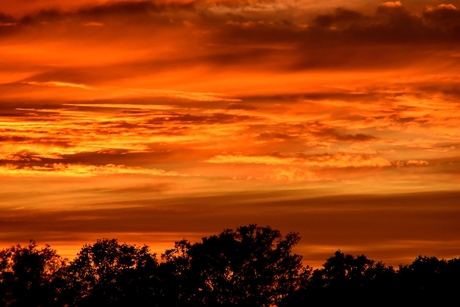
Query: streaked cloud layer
(113, 114)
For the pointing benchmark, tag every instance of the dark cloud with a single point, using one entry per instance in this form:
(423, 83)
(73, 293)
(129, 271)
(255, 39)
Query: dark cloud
(6, 20)
(18, 104)
(324, 132)
(450, 89)
(7, 25)
(12, 138)
(445, 16)
(43, 140)
(341, 17)
(285, 130)
(241, 106)
(216, 118)
(112, 11)
(359, 137)
(343, 29)
(389, 24)
(392, 37)
(129, 8)
(276, 136)
(122, 156)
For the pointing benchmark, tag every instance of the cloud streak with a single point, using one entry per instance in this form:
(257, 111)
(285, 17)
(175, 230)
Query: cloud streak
(61, 169)
(338, 160)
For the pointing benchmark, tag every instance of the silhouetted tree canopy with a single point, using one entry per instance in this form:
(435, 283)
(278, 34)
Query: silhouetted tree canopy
(28, 275)
(108, 274)
(345, 272)
(359, 281)
(252, 266)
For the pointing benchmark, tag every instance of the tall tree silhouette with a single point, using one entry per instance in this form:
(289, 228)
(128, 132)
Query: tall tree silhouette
(345, 279)
(252, 266)
(28, 276)
(111, 274)
(345, 271)
(430, 280)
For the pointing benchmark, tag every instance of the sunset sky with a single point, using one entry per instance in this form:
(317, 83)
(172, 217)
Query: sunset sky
(153, 121)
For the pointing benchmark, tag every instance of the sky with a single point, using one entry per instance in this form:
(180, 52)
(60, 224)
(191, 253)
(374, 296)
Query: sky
(153, 121)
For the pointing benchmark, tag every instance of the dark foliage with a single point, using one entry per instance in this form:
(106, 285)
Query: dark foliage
(252, 267)
(358, 281)
(345, 279)
(28, 276)
(111, 274)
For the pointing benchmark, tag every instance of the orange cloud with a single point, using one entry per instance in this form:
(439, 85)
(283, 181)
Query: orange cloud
(62, 169)
(417, 162)
(391, 4)
(58, 83)
(337, 160)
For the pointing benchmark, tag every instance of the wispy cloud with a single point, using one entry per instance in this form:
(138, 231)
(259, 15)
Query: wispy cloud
(80, 170)
(337, 160)
(59, 83)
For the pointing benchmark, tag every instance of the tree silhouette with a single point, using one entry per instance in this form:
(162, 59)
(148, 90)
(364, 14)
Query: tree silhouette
(346, 271)
(111, 274)
(252, 266)
(345, 279)
(28, 276)
(451, 277)
(430, 280)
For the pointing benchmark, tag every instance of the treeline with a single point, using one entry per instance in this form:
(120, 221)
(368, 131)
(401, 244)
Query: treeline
(252, 266)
